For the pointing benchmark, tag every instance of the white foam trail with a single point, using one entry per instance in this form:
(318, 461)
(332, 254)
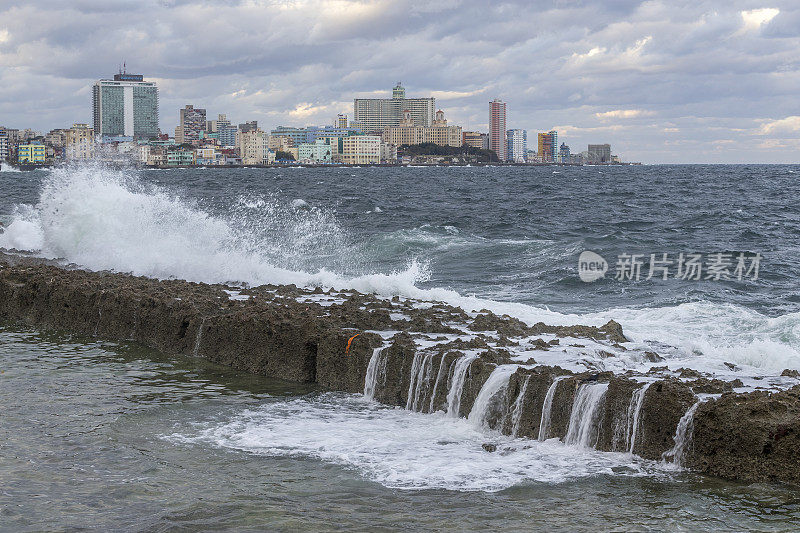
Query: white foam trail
(457, 383)
(492, 395)
(634, 410)
(547, 407)
(371, 379)
(583, 422)
(519, 404)
(402, 449)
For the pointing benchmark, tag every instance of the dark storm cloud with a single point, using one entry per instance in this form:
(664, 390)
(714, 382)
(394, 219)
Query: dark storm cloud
(661, 80)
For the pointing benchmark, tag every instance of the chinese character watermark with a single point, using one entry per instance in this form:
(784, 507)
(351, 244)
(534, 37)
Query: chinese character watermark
(719, 266)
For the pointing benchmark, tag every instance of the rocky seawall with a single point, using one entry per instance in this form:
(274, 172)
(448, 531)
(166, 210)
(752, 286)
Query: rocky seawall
(429, 357)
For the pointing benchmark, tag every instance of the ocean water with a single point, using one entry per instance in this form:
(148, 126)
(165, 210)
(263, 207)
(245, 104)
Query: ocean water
(145, 442)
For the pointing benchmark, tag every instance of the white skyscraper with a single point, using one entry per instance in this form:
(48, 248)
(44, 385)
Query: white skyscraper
(126, 106)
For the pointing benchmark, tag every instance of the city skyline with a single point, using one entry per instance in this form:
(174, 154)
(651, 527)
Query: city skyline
(662, 83)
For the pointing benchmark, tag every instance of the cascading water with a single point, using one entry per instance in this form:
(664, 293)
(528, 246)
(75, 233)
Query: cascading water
(634, 410)
(683, 435)
(371, 379)
(516, 412)
(439, 376)
(586, 408)
(199, 337)
(492, 396)
(423, 379)
(547, 407)
(457, 383)
(412, 379)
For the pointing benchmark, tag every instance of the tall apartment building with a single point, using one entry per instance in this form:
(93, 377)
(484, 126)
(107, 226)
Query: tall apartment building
(437, 133)
(126, 106)
(548, 147)
(564, 153)
(600, 153)
(253, 147)
(374, 114)
(517, 145)
(497, 128)
(79, 142)
(341, 121)
(4, 145)
(192, 124)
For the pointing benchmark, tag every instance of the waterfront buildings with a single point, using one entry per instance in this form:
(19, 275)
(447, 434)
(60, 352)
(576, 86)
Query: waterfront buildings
(126, 106)
(548, 143)
(4, 145)
(192, 125)
(79, 143)
(600, 153)
(373, 115)
(497, 128)
(366, 150)
(253, 147)
(517, 145)
(316, 152)
(408, 133)
(564, 153)
(32, 153)
(475, 139)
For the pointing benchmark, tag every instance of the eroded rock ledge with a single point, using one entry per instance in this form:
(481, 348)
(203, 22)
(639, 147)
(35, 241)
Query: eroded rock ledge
(416, 351)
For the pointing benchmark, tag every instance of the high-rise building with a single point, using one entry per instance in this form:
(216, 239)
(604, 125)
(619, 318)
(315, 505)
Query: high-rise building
(497, 128)
(341, 121)
(253, 147)
(564, 153)
(600, 153)
(375, 114)
(193, 122)
(126, 106)
(548, 143)
(251, 125)
(79, 142)
(517, 141)
(4, 144)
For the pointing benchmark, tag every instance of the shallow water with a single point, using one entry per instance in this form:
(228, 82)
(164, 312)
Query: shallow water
(112, 436)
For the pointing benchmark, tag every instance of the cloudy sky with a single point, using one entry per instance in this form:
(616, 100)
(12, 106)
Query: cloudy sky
(661, 80)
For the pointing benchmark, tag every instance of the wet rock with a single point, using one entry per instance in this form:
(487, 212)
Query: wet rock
(489, 447)
(653, 357)
(752, 437)
(790, 373)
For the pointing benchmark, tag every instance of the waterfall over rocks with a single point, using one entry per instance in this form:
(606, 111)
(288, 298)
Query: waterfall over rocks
(585, 417)
(492, 397)
(457, 383)
(371, 379)
(547, 407)
(439, 376)
(516, 411)
(634, 410)
(199, 337)
(683, 435)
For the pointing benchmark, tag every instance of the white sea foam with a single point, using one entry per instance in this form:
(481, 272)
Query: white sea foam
(106, 219)
(407, 450)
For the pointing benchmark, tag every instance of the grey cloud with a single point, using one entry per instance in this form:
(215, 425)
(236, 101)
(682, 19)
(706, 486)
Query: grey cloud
(556, 63)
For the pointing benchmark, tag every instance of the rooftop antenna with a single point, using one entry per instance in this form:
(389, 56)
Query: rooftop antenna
(124, 67)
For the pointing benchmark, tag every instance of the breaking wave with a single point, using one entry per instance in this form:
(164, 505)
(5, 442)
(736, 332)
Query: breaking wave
(109, 220)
